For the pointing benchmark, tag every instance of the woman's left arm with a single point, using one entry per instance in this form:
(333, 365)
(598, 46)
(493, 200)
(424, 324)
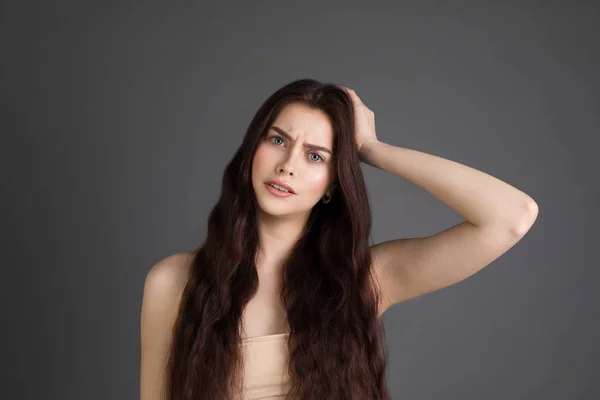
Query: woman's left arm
(497, 216)
(483, 200)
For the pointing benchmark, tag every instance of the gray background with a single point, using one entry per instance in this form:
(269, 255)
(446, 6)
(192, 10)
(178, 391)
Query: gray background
(118, 119)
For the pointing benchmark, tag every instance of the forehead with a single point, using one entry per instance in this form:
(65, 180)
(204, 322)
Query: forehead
(313, 124)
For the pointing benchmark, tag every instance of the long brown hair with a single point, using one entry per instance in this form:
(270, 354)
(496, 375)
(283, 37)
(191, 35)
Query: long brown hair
(337, 341)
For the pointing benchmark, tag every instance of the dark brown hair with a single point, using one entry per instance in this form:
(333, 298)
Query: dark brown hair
(337, 341)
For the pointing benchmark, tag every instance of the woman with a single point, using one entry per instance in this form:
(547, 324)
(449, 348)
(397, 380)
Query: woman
(285, 295)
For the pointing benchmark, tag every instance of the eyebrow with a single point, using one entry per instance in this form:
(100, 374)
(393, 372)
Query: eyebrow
(307, 145)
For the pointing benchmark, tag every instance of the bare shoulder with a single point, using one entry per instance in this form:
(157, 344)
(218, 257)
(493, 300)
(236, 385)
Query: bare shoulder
(380, 284)
(169, 274)
(163, 288)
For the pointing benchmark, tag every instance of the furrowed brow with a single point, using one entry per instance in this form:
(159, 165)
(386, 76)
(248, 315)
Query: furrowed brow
(307, 145)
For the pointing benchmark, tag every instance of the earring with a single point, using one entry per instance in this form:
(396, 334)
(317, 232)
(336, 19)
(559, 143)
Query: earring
(328, 199)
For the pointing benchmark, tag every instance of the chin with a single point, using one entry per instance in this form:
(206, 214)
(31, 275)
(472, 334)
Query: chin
(275, 207)
(272, 207)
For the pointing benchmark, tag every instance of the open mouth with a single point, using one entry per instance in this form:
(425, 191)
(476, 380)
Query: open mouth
(278, 190)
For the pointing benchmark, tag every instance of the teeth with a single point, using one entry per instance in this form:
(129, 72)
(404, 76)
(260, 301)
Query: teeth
(278, 187)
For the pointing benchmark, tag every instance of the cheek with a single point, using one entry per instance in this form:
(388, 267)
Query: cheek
(317, 179)
(261, 158)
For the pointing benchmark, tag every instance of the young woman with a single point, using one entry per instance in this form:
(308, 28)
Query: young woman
(284, 297)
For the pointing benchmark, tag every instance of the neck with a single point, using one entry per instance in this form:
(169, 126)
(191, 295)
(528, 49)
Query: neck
(277, 237)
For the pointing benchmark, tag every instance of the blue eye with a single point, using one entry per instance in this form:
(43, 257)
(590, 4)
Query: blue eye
(321, 158)
(276, 137)
(283, 140)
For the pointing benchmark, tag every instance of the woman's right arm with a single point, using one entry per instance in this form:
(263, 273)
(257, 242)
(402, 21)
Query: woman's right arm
(163, 287)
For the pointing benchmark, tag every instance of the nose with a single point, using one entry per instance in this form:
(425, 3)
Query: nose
(288, 165)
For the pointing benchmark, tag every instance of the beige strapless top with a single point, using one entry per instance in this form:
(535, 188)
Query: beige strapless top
(265, 371)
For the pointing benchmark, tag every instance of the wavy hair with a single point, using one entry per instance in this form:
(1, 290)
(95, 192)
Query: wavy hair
(337, 340)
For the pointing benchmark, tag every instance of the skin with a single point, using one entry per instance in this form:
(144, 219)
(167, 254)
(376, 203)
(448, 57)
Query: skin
(309, 172)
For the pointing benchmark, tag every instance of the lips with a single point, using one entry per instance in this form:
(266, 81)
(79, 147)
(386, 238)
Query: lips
(282, 184)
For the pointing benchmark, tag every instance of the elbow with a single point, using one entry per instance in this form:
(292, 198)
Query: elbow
(528, 218)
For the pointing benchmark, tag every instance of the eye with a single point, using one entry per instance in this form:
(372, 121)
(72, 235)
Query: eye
(319, 159)
(275, 137)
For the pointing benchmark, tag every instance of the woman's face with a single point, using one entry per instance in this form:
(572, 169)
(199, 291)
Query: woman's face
(284, 154)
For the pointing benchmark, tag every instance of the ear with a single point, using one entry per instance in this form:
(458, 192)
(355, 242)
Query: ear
(331, 190)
